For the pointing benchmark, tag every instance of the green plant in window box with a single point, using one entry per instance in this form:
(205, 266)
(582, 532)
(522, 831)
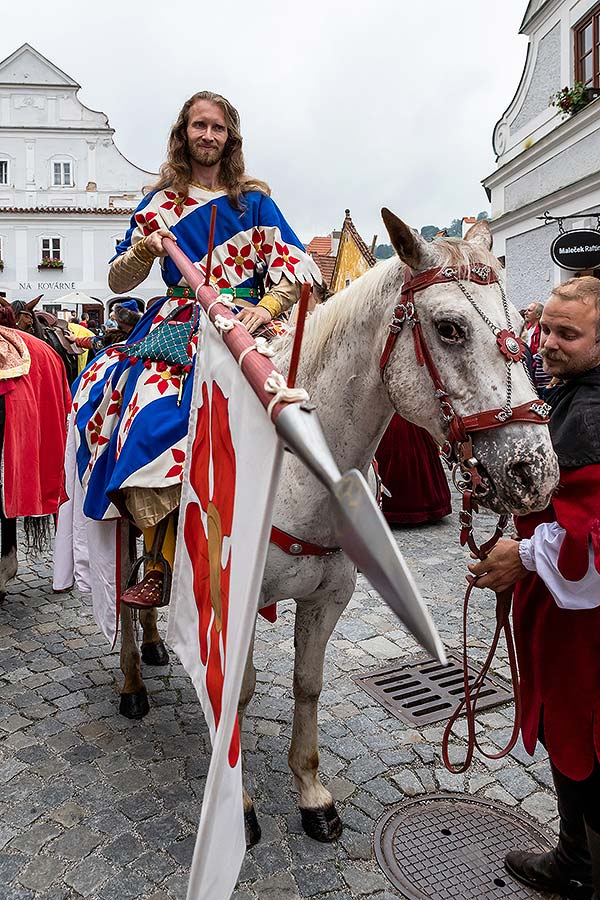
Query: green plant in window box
(48, 263)
(571, 100)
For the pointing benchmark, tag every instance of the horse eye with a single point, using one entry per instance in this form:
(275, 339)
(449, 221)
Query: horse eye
(450, 332)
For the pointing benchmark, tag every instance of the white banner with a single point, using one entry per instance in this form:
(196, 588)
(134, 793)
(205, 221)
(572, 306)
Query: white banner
(232, 468)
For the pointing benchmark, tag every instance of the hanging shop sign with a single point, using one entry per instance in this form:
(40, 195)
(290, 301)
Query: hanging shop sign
(577, 250)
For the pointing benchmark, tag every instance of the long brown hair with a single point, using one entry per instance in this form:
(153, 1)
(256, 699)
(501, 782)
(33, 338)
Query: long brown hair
(176, 172)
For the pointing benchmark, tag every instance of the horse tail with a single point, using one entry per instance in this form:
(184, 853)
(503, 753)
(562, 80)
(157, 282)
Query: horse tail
(37, 533)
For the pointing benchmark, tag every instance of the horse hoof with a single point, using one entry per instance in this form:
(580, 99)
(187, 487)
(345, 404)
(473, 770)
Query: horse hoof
(322, 824)
(134, 706)
(155, 654)
(252, 827)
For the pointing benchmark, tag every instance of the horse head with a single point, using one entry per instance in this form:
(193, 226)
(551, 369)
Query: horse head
(26, 317)
(458, 369)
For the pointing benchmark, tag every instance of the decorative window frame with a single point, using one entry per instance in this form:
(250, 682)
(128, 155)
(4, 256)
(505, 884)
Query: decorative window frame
(5, 162)
(592, 17)
(51, 256)
(62, 161)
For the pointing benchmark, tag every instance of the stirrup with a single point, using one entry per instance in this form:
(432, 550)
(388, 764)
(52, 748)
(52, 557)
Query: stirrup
(151, 582)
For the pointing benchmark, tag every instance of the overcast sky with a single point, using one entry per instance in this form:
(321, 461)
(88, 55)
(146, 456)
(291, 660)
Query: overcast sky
(359, 105)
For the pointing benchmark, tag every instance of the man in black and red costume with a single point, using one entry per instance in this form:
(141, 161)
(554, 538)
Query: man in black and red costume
(556, 571)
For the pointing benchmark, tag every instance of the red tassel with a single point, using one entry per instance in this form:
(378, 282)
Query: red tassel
(176, 370)
(161, 365)
(147, 363)
(187, 369)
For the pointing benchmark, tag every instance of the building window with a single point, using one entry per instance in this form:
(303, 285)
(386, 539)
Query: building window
(62, 173)
(1, 254)
(51, 249)
(587, 46)
(3, 171)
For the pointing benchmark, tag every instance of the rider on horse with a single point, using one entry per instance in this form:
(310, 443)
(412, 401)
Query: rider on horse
(132, 409)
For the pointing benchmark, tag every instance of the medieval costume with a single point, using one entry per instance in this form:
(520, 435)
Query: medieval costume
(36, 401)
(131, 412)
(557, 631)
(411, 470)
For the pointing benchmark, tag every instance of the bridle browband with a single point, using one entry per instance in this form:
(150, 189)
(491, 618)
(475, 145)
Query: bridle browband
(512, 348)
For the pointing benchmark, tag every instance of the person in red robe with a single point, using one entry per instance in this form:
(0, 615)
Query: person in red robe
(555, 567)
(411, 470)
(37, 400)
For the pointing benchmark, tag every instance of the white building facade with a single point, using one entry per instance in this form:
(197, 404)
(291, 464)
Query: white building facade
(547, 162)
(66, 192)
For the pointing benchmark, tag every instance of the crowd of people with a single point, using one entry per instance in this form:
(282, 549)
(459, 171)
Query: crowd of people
(554, 565)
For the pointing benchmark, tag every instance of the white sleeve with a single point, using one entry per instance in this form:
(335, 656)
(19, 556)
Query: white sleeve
(540, 554)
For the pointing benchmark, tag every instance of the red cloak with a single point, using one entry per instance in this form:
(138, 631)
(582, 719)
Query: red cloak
(411, 469)
(559, 649)
(35, 433)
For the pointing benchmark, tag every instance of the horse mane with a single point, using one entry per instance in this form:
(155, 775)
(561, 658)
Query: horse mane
(350, 305)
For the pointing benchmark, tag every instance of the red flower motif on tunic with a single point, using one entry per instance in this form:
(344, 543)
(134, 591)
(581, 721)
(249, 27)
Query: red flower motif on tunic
(177, 202)
(284, 258)
(148, 222)
(259, 242)
(132, 411)
(179, 301)
(116, 402)
(218, 276)
(90, 375)
(211, 580)
(179, 459)
(239, 260)
(94, 427)
(163, 379)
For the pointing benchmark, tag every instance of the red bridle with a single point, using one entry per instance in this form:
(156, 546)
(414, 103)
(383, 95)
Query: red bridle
(511, 347)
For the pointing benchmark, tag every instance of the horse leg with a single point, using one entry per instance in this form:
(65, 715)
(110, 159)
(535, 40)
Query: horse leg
(315, 621)
(8, 552)
(253, 831)
(154, 652)
(134, 697)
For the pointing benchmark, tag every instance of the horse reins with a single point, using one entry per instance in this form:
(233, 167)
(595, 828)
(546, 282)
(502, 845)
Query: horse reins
(458, 453)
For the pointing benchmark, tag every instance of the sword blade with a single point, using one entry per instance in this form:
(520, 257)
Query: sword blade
(361, 529)
(365, 537)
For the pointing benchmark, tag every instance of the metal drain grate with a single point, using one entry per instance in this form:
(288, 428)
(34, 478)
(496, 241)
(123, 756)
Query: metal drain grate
(422, 691)
(452, 847)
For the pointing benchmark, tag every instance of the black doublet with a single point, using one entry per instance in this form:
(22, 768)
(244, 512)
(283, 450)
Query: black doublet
(575, 420)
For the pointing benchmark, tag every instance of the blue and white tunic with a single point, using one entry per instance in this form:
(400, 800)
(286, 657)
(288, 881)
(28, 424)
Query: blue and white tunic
(130, 432)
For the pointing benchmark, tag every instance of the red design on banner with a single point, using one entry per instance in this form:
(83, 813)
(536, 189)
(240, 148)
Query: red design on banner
(147, 222)
(116, 402)
(177, 202)
(284, 258)
(94, 428)
(163, 378)
(212, 441)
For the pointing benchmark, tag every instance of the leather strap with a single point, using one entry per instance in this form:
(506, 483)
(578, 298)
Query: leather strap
(297, 547)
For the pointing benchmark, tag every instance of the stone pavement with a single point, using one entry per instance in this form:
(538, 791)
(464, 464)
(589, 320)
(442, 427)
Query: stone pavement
(94, 805)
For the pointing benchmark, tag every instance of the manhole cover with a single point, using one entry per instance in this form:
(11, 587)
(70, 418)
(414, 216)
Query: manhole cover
(452, 847)
(422, 691)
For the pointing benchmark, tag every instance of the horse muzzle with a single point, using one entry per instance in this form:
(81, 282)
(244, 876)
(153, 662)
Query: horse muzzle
(519, 475)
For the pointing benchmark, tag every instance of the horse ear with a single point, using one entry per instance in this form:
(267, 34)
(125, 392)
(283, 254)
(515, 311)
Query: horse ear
(480, 233)
(5, 302)
(33, 303)
(408, 243)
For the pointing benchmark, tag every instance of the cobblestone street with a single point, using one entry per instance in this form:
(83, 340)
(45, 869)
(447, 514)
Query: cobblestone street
(94, 805)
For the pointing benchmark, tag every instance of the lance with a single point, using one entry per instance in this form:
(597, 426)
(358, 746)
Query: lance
(360, 527)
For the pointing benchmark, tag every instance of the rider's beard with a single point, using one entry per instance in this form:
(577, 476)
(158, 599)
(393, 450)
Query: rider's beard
(561, 365)
(205, 156)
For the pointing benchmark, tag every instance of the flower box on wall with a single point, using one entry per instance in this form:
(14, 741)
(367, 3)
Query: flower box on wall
(51, 264)
(570, 101)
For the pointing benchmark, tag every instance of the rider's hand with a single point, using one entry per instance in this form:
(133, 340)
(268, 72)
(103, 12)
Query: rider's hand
(501, 569)
(153, 242)
(254, 316)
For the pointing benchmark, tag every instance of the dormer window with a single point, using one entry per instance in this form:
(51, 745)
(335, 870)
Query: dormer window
(3, 171)
(62, 173)
(587, 46)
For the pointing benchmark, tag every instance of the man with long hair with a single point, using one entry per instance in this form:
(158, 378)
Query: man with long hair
(132, 406)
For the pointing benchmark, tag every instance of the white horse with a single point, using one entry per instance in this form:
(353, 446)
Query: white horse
(340, 368)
